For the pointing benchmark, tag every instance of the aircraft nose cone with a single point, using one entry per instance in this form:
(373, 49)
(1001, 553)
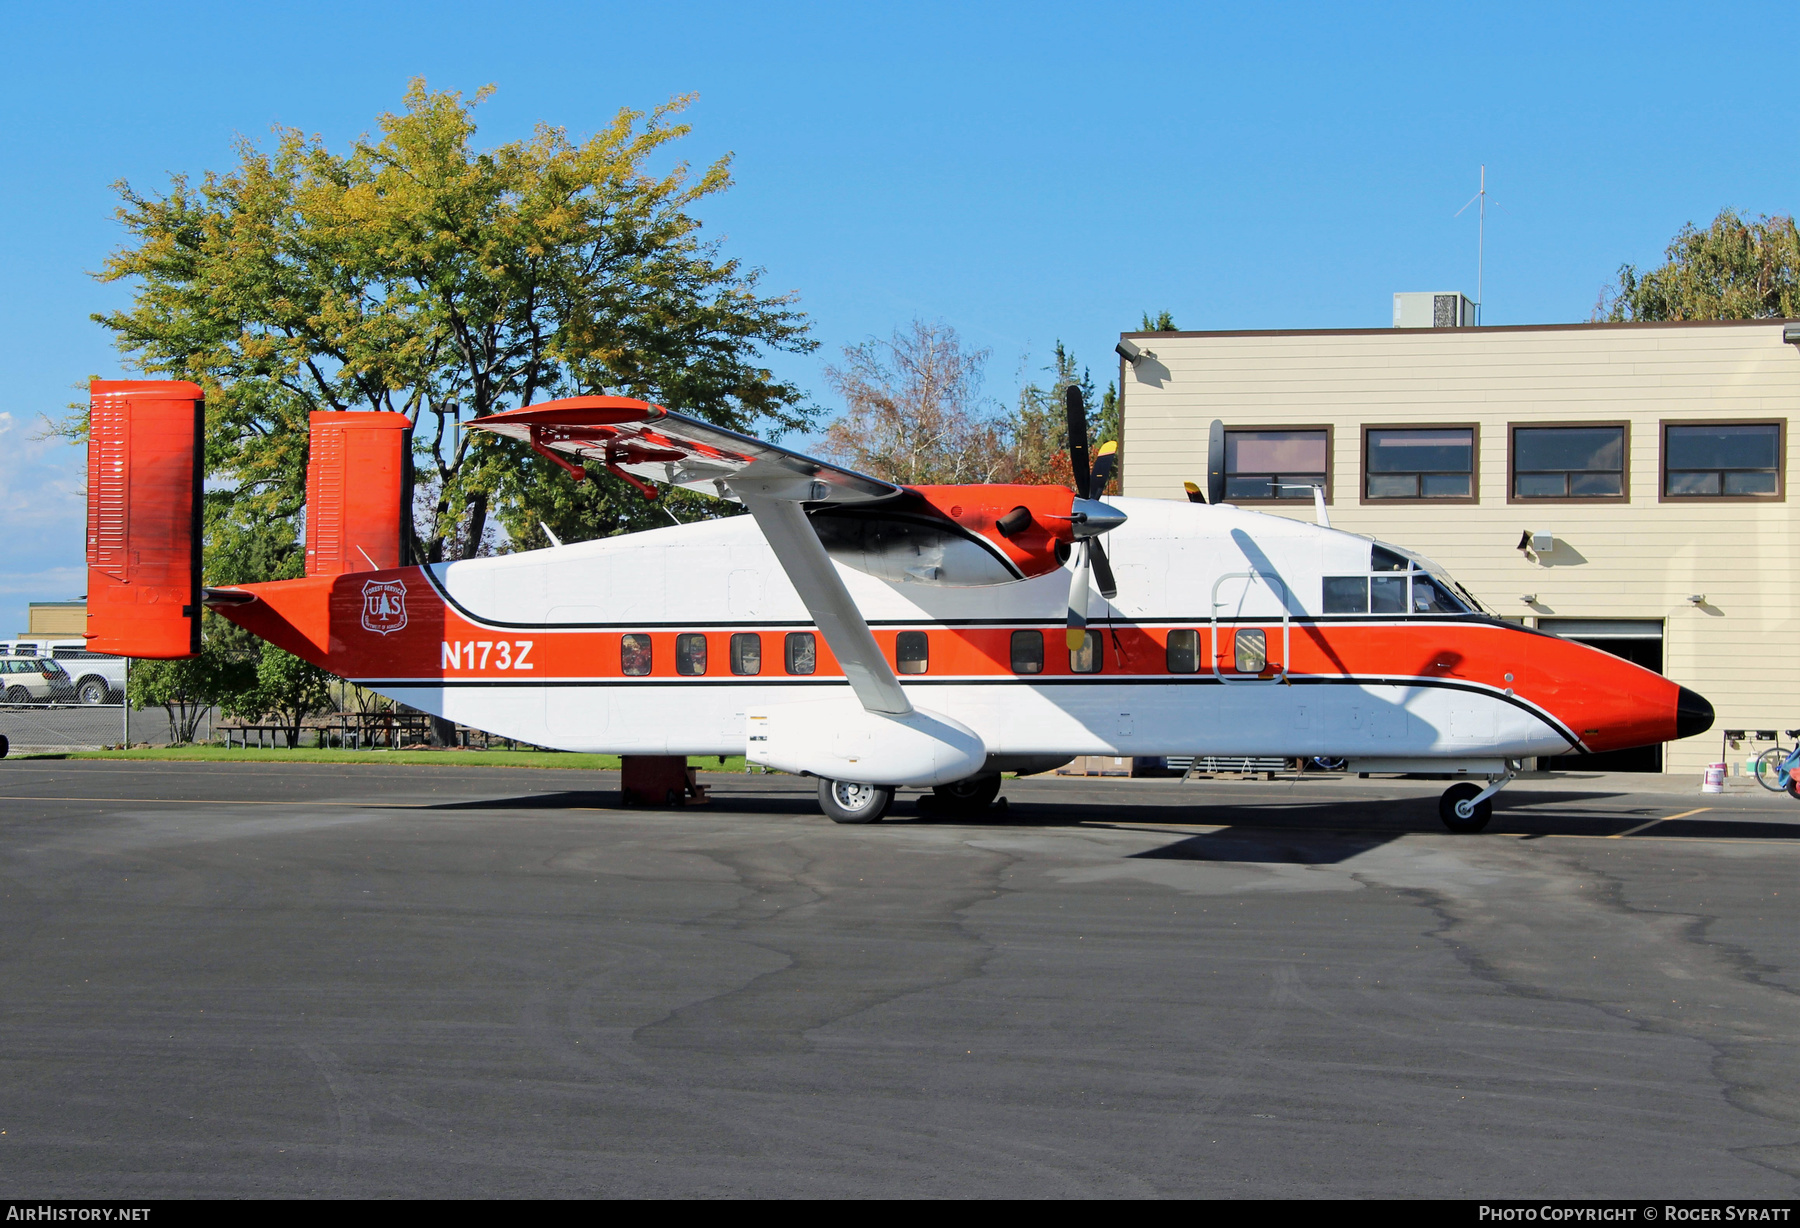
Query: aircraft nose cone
(1692, 714)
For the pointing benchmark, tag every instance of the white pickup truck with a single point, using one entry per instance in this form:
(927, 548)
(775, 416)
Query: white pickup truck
(99, 677)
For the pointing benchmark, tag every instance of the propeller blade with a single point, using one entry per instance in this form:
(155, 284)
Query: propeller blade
(1103, 467)
(1194, 493)
(1078, 441)
(1078, 597)
(1103, 575)
(1215, 463)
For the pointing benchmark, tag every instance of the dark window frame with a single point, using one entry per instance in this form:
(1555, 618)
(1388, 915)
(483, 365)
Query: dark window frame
(1474, 495)
(649, 655)
(1169, 650)
(737, 639)
(1662, 460)
(787, 653)
(914, 639)
(1012, 648)
(1330, 460)
(685, 638)
(1512, 469)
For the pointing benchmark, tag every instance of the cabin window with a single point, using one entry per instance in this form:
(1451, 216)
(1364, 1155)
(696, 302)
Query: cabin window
(1183, 654)
(690, 653)
(1424, 463)
(746, 653)
(1723, 460)
(1387, 595)
(1250, 650)
(1028, 652)
(1281, 464)
(1569, 462)
(1089, 657)
(634, 655)
(1346, 594)
(802, 653)
(912, 652)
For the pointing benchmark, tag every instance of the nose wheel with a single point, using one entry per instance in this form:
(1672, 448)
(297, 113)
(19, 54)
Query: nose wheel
(1467, 807)
(845, 801)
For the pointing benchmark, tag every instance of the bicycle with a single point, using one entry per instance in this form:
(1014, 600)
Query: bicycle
(1777, 768)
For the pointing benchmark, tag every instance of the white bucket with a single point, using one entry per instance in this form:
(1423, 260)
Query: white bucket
(1713, 781)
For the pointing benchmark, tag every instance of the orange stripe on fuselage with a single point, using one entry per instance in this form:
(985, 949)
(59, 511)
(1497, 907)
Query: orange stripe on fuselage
(1607, 702)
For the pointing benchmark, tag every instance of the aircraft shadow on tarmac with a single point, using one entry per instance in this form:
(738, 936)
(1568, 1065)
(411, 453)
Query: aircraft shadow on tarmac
(1258, 829)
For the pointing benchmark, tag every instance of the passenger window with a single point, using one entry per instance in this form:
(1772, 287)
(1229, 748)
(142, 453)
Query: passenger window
(690, 653)
(1387, 595)
(1250, 648)
(1089, 657)
(911, 652)
(746, 653)
(1028, 652)
(634, 655)
(802, 652)
(1184, 652)
(1346, 594)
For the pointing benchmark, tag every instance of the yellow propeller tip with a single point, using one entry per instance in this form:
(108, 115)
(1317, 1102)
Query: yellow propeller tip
(1107, 448)
(1076, 639)
(1190, 488)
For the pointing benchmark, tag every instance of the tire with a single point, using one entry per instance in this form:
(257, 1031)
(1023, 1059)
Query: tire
(4, 746)
(1768, 766)
(93, 691)
(17, 695)
(970, 796)
(1463, 792)
(845, 801)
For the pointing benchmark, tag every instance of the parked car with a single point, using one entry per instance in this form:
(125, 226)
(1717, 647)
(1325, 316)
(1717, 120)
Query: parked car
(39, 681)
(99, 676)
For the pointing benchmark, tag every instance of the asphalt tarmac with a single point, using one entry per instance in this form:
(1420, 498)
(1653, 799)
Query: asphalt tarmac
(235, 981)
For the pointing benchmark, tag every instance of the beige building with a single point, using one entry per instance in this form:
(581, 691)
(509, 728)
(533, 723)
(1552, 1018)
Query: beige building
(55, 619)
(1620, 484)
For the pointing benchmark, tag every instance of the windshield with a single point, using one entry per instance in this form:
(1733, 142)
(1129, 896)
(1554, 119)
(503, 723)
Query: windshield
(1397, 582)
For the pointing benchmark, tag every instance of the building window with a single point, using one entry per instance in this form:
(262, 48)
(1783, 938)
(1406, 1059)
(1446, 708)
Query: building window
(912, 652)
(1573, 462)
(1089, 657)
(634, 655)
(802, 653)
(1277, 464)
(690, 653)
(1722, 460)
(1183, 653)
(1425, 463)
(746, 653)
(1028, 652)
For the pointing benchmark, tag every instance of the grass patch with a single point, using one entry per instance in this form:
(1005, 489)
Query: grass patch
(428, 758)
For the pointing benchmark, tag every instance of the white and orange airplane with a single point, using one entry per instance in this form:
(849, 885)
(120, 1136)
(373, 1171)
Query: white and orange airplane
(871, 635)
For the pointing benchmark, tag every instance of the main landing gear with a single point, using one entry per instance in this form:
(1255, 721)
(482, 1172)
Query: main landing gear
(1467, 807)
(846, 802)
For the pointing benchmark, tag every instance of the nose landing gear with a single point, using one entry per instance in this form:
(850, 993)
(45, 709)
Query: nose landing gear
(1466, 807)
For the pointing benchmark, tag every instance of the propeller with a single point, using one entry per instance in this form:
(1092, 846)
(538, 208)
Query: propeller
(1088, 565)
(1215, 468)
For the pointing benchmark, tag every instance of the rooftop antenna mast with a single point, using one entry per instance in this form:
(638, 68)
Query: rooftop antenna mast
(1480, 236)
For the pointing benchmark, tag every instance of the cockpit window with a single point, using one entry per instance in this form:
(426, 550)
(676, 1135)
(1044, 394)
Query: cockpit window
(1417, 592)
(1383, 559)
(1431, 597)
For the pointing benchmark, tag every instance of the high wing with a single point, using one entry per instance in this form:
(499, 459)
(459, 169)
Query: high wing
(641, 443)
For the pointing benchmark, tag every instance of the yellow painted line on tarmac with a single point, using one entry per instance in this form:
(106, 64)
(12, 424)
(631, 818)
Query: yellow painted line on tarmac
(1620, 835)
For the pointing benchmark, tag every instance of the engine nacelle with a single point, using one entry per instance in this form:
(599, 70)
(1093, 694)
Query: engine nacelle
(840, 740)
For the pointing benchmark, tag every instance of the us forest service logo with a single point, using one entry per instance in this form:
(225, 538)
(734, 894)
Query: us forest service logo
(384, 606)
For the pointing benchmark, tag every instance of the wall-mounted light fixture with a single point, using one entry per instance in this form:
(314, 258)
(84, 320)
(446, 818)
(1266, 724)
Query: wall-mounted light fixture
(1534, 542)
(1790, 333)
(1697, 599)
(1130, 351)
(1529, 599)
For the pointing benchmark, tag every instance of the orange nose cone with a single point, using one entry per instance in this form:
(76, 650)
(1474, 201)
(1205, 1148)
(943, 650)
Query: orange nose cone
(1692, 714)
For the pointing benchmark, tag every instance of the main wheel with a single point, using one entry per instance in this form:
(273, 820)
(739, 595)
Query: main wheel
(17, 695)
(1455, 808)
(844, 801)
(1768, 769)
(969, 796)
(93, 691)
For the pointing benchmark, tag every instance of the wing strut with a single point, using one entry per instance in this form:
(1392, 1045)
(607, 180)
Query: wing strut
(775, 504)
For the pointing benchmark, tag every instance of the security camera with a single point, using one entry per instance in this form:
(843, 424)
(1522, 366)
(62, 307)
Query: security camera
(1129, 351)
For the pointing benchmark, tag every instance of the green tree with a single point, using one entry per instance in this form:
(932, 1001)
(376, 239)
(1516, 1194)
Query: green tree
(186, 689)
(285, 688)
(419, 273)
(1161, 322)
(1735, 269)
(1040, 423)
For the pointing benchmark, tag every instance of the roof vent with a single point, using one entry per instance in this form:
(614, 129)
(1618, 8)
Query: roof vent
(1433, 309)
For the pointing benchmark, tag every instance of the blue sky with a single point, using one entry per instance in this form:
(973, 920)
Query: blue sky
(1022, 172)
